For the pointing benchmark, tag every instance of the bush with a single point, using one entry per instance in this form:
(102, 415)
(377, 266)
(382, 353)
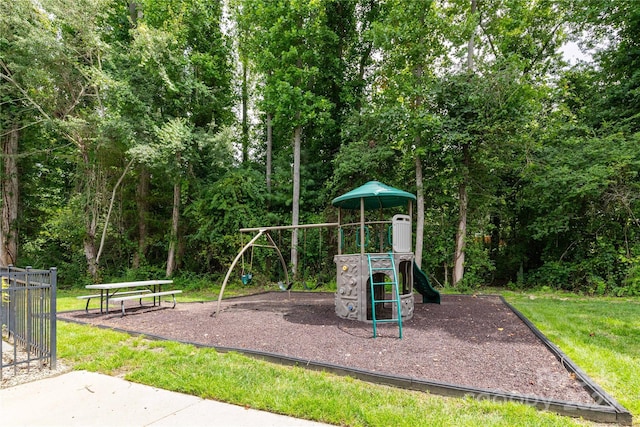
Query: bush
(555, 274)
(631, 283)
(479, 267)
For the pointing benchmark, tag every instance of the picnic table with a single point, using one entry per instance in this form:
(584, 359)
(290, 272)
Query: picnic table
(124, 291)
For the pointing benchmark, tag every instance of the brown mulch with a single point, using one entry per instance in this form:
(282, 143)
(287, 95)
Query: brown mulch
(472, 341)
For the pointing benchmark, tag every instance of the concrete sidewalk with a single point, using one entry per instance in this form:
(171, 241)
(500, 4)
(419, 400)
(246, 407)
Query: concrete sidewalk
(81, 398)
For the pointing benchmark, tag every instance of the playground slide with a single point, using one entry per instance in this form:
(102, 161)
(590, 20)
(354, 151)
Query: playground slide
(422, 284)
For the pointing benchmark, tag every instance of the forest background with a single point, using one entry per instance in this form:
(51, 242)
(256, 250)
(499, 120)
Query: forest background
(139, 137)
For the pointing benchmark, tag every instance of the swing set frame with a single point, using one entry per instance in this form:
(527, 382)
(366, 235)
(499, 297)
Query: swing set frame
(252, 243)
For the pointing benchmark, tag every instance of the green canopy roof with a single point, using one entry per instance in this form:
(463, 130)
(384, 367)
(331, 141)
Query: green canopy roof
(376, 195)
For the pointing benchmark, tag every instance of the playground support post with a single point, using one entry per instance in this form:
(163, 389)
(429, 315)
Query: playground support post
(339, 231)
(362, 237)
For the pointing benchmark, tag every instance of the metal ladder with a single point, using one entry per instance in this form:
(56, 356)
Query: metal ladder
(387, 264)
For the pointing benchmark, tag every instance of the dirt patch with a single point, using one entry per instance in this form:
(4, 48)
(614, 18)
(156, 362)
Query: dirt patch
(473, 341)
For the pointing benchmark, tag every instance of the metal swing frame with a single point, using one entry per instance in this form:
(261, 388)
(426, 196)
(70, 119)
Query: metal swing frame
(260, 232)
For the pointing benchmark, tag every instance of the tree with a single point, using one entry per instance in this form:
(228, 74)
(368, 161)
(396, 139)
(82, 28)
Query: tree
(175, 140)
(512, 49)
(15, 20)
(179, 85)
(463, 196)
(578, 208)
(286, 39)
(10, 190)
(65, 90)
(412, 38)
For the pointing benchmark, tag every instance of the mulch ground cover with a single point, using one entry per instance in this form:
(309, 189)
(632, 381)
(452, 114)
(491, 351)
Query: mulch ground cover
(470, 341)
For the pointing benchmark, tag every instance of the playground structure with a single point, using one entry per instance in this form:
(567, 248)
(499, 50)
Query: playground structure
(374, 284)
(376, 271)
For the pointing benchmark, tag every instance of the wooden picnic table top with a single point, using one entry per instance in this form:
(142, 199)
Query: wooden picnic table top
(129, 284)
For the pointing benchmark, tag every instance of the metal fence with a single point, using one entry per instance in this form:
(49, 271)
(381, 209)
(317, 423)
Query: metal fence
(28, 318)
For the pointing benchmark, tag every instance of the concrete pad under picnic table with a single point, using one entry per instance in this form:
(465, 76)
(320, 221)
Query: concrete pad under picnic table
(82, 398)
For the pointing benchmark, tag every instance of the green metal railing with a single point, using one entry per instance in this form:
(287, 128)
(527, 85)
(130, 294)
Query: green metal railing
(385, 264)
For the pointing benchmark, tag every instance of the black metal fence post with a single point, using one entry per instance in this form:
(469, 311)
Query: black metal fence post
(53, 309)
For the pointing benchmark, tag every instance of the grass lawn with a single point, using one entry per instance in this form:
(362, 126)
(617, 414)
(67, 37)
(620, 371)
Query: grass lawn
(601, 335)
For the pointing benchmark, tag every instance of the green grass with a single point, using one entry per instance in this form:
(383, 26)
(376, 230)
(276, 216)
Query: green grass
(600, 335)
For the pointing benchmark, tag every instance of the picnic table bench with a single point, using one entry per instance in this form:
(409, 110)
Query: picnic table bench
(125, 291)
(90, 297)
(153, 295)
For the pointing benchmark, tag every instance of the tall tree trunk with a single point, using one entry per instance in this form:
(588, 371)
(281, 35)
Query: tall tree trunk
(418, 72)
(142, 203)
(269, 151)
(295, 210)
(245, 119)
(91, 209)
(446, 274)
(175, 219)
(10, 195)
(458, 266)
(142, 187)
(90, 251)
(419, 211)
(461, 233)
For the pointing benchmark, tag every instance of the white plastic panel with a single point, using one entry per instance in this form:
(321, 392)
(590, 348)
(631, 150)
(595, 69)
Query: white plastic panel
(401, 228)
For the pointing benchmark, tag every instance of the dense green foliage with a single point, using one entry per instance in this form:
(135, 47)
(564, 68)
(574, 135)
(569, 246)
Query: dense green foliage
(134, 158)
